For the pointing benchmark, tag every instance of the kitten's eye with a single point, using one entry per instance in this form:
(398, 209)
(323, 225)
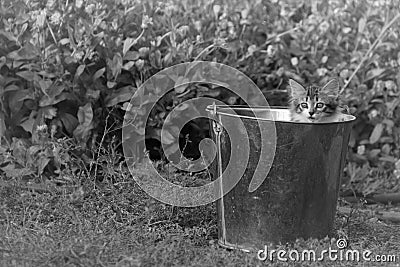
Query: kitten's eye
(320, 105)
(304, 105)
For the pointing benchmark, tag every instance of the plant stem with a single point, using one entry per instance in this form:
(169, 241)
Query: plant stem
(277, 36)
(204, 51)
(371, 48)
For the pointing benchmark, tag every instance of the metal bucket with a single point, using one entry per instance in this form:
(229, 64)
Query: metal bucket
(297, 197)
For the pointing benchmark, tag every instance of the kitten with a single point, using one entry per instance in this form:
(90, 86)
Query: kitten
(316, 104)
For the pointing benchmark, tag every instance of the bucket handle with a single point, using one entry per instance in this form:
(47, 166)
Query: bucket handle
(217, 128)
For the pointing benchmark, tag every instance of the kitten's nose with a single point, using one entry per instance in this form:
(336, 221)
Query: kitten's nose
(311, 113)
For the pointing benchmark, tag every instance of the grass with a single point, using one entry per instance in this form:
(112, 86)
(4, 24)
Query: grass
(117, 224)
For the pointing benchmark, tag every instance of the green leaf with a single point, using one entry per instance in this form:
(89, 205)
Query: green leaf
(171, 149)
(49, 112)
(28, 75)
(28, 125)
(2, 125)
(390, 159)
(216, 9)
(45, 85)
(376, 133)
(56, 90)
(71, 37)
(167, 59)
(85, 119)
(48, 100)
(85, 114)
(126, 106)
(132, 55)
(16, 99)
(92, 94)
(79, 71)
(155, 59)
(46, 74)
(19, 150)
(9, 36)
(53, 95)
(361, 24)
(389, 125)
(128, 43)
(181, 84)
(122, 94)
(69, 121)
(374, 153)
(3, 61)
(98, 73)
(27, 52)
(181, 107)
(374, 73)
(22, 18)
(12, 87)
(12, 171)
(116, 65)
(42, 162)
(128, 65)
(386, 149)
(166, 137)
(64, 41)
(41, 18)
(111, 84)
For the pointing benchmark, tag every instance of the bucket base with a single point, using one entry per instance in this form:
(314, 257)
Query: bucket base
(235, 247)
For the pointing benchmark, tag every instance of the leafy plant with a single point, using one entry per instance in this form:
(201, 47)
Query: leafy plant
(48, 157)
(74, 66)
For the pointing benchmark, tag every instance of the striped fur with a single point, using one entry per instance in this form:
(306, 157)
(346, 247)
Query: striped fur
(315, 104)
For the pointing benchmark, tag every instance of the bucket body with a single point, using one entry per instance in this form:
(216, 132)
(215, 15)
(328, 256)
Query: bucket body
(298, 196)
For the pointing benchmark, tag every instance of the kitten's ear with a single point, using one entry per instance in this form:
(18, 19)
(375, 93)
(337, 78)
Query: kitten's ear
(331, 87)
(296, 89)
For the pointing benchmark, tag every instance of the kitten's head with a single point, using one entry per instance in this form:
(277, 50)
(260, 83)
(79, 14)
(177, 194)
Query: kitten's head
(314, 103)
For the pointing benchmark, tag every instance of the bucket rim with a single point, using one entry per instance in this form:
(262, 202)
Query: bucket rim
(218, 109)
